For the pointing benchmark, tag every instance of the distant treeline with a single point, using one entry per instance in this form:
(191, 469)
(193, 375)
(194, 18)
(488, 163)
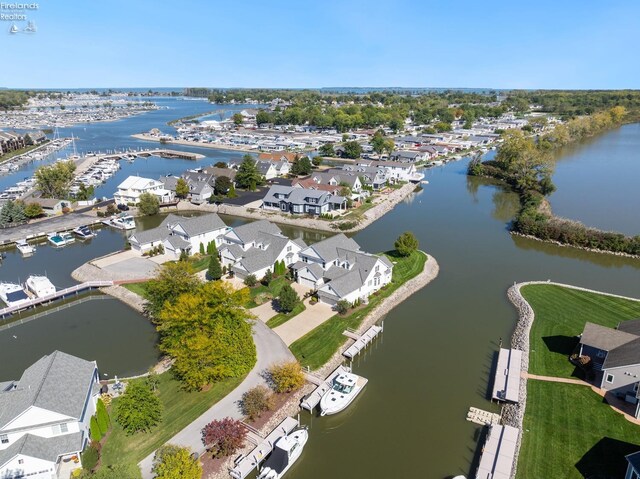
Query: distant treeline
(14, 98)
(525, 164)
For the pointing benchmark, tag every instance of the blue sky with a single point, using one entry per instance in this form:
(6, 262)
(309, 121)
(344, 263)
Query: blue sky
(277, 43)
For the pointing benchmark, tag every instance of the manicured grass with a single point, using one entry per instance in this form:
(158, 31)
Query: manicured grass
(139, 288)
(282, 318)
(273, 290)
(560, 316)
(180, 408)
(316, 347)
(570, 433)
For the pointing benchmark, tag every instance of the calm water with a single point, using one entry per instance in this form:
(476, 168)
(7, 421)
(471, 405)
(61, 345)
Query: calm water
(434, 357)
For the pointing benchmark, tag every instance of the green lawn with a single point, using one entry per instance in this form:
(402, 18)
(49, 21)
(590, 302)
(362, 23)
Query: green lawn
(560, 315)
(139, 288)
(570, 433)
(180, 408)
(282, 318)
(316, 347)
(273, 290)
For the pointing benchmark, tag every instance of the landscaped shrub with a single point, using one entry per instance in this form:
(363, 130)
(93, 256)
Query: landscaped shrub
(256, 401)
(342, 306)
(268, 277)
(406, 244)
(222, 437)
(286, 377)
(138, 409)
(89, 458)
(251, 280)
(288, 299)
(94, 429)
(175, 462)
(214, 271)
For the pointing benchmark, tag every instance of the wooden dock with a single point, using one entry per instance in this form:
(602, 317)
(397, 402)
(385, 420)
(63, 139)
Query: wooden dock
(498, 453)
(311, 400)
(361, 340)
(483, 418)
(245, 464)
(61, 294)
(506, 382)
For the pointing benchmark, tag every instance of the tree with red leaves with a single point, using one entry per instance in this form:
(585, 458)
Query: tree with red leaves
(222, 437)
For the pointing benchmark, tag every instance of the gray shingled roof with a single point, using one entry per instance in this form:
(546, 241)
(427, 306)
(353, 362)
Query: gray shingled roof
(255, 259)
(251, 231)
(48, 449)
(197, 225)
(604, 338)
(58, 382)
(624, 355)
(631, 326)
(328, 248)
(178, 242)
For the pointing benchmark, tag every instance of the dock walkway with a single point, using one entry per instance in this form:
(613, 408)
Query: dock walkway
(61, 294)
(39, 229)
(362, 340)
(506, 382)
(498, 453)
(311, 400)
(245, 464)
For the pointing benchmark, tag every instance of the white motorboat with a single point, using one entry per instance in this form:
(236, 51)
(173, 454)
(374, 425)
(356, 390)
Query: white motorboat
(60, 239)
(344, 389)
(40, 286)
(84, 232)
(123, 222)
(25, 248)
(13, 294)
(285, 452)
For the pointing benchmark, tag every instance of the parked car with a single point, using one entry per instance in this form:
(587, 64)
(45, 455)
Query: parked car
(123, 207)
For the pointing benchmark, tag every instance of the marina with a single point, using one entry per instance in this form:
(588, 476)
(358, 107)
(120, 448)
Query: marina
(311, 401)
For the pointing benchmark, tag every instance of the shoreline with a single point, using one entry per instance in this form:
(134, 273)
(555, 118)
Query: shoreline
(368, 217)
(567, 245)
(513, 414)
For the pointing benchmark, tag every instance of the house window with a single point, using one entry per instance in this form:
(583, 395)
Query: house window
(610, 378)
(59, 429)
(377, 268)
(289, 248)
(20, 461)
(4, 439)
(64, 427)
(600, 354)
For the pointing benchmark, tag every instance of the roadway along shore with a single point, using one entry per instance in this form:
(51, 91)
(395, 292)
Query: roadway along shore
(383, 206)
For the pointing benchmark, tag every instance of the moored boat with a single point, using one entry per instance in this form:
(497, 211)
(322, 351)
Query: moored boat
(123, 222)
(83, 232)
(344, 389)
(60, 239)
(13, 294)
(25, 248)
(40, 286)
(285, 452)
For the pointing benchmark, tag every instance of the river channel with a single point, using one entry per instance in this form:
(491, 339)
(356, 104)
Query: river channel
(434, 358)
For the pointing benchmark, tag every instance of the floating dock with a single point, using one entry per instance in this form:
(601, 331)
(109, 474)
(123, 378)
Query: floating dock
(61, 294)
(362, 340)
(484, 418)
(245, 464)
(311, 400)
(498, 453)
(506, 382)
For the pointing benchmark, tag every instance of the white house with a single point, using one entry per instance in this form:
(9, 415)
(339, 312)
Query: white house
(129, 190)
(178, 233)
(339, 270)
(45, 416)
(254, 248)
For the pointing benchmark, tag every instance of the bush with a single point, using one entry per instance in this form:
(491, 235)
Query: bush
(222, 437)
(288, 299)
(406, 244)
(173, 462)
(89, 458)
(138, 409)
(342, 306)
(268, 277)
(149, 204)
(102, 417)
(256, 401)
(94, 429)
(251, 280)
(286, 377)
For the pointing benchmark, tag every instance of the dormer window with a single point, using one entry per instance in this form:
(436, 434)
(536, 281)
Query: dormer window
(4, 439)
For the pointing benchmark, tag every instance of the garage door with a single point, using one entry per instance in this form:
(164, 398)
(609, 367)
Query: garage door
(306, 282)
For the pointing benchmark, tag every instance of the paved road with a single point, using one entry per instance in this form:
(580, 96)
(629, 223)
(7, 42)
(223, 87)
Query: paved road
(270, 349)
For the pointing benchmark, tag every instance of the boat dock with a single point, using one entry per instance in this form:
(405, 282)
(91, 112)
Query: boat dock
(61, 294)
(483, 418)
(311, 400)
(40, 229)
(246, 463)
(361, 340)
(498, 453)
(506, 382)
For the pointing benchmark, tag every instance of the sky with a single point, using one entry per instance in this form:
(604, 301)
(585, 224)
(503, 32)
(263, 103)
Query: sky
(560, 44)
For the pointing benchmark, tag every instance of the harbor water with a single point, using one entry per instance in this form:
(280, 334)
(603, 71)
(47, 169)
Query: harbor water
(433, 360)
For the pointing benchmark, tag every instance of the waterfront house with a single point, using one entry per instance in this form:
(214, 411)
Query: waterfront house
(408, 156)
(633, 466)
(178, 233)
(338, 269)
(298, 200)
(337, 177)
(129, 190)
(50, 206)
(45, 416)
(614, 358)
(310, 184)
(254, 248)
(200, 185)
(35, 137)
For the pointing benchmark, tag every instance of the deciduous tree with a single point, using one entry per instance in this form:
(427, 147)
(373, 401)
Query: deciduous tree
(138, 409)
(54, 181)
(182, 188)
(175, 462)
(223, 437)
(171, 281)
(148, 204)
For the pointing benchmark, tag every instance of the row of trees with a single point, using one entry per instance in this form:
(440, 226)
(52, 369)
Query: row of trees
(17, 212)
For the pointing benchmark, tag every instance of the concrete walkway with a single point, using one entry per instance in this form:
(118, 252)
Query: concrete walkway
(554, 379)
(270, 349)
(309, 319)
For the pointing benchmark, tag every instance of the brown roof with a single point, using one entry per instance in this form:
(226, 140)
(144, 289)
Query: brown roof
(309, 183)
(277, 156)
(46, 202)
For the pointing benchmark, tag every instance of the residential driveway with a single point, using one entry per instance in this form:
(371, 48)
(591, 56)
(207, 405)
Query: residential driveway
(309, 319)
(132, 268)
(270, 349)
(265, 311)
